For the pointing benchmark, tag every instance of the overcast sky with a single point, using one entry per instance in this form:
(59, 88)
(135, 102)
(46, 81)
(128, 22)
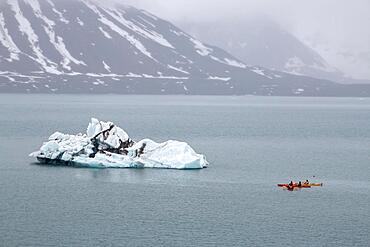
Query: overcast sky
(338, 29)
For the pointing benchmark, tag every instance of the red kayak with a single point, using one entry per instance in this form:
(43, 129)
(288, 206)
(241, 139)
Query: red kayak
(292, 188)
(302, 186)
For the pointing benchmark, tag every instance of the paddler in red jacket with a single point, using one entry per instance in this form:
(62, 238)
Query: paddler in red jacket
(290, 185)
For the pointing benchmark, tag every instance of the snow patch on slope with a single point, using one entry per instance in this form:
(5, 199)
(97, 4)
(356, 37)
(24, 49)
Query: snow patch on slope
(177, 69)
(147, 22)
(107, 35)
(230, 62)
(61, 17)
(294, 65)
(235, 63)
(262, 72)
(26, 29)
(219, 78)
(156, 37)
(106, 67)
(81, 23)
(56, 40)
(206, 51)
(201, 48)
(131, 39)
(7, 41)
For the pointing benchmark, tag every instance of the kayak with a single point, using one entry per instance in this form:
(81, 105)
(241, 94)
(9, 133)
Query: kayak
(303, 185)
(295, 186)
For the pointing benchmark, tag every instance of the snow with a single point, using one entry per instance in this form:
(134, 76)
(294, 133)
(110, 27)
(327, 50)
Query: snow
(183, 85)
(230, 62)
(219, 78)
(54, 39)
(156, 37)
(131, 39)
(235, 63)
(172, 77)
(133, 75)
(11, 79)
(26, 29)
(177, 69)
(294, 65)
(60, 15)
(80, 22)
(105, 33)
(299, 91)
(258, 71)
(201, 48)
(205, 51)
(146, 21)
(9, 73)
(99, 82)
(106, 67)
(178, 33)
(7, 41)
(73, 73)
(59, 45)
(106, 145)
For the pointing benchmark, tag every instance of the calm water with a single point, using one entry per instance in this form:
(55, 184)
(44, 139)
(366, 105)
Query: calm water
(252, 143)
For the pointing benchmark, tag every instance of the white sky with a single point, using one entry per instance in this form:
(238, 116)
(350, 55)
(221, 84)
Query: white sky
(338, 29)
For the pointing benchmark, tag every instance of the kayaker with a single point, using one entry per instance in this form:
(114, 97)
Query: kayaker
(299, 184)
(306, 183)
(290, 186)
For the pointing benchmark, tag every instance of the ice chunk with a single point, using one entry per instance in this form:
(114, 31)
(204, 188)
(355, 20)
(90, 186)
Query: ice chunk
(106, 145)
(107, 133)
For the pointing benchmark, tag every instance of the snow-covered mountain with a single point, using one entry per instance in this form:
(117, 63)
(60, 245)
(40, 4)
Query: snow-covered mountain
(262, 41)
(82, 46)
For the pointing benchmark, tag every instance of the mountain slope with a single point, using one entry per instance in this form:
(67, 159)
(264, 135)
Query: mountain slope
(80, 46)
(263, 42)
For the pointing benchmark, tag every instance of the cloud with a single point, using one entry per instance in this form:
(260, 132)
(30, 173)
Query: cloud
(340, 21)
(338, 25)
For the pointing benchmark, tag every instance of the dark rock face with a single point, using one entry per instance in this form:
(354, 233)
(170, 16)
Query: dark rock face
(80, 46)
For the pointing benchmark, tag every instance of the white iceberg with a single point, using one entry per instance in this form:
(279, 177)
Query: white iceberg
(105, 145)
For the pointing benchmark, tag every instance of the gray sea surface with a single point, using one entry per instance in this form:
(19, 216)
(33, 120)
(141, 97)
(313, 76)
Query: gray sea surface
(252, 143)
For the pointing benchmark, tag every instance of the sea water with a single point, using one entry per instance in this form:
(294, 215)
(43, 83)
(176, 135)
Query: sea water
(252, 143)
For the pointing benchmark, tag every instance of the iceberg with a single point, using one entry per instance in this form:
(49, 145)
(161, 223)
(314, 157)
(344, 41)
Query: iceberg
(106, 145)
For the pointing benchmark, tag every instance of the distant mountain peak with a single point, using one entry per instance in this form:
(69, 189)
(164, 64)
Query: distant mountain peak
(261, 41)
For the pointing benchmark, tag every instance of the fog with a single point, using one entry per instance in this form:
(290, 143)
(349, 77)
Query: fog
(338, 29)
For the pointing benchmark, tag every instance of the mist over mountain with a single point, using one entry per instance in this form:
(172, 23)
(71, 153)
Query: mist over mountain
(261, 41)
(334, 29)
(82, 46)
